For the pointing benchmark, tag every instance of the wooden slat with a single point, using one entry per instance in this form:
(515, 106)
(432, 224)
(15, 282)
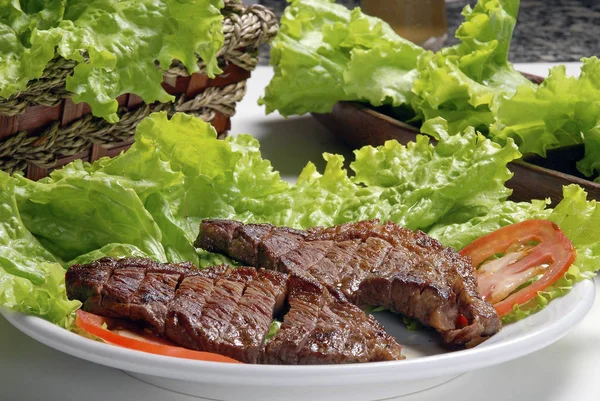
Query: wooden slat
(71, 112)
(35, 173)
(115, 149)
(197, 84)
(9, 125)
(98, 151)
(134, 101)
(176, 85)
(85, 156)
(37, 118)
(230, 75)
(123, 99)
(221, 122)
(169, 82)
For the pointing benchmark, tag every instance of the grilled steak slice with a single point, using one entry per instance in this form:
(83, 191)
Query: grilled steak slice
(320, 329)
(370, 263)
(219, 309)
(229, 311)
(132, 288)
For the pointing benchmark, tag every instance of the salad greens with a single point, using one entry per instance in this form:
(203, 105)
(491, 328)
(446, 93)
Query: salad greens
(149, 201)
(469, 84)
(31, 278)
(325, 53)
(116, 45)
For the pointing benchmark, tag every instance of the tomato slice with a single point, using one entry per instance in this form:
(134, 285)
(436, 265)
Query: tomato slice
(93, 324)
(513, 255)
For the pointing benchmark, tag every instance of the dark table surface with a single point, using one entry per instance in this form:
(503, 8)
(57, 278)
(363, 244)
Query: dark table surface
(546, 31)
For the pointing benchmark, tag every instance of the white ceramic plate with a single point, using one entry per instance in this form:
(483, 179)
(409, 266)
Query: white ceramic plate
(427, 363)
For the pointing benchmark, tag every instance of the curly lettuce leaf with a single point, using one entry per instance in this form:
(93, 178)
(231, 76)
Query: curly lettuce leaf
(562, 111)
(218, 178)
(590, 164)
(460, 234)
(460, 83)
(404, 184)
(117, 45)
(325, 53)
(31, 278)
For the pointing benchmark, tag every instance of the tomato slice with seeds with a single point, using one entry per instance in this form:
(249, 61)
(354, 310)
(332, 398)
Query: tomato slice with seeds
(95, 325)
(507, 259)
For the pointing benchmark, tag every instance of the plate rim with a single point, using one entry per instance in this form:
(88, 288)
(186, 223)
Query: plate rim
(426, 367)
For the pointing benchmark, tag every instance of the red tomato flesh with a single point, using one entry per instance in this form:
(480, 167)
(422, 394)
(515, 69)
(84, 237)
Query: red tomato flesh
(93, 324)
(511, 256)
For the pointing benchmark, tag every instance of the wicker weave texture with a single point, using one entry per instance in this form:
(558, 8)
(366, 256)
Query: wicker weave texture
(72, 132)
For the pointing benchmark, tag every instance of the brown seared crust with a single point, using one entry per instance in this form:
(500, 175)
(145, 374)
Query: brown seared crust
(249, 325)
(217, 235)
(229, 311)
(110, 286)
(185, 310)
(371, 263)
(322, 329)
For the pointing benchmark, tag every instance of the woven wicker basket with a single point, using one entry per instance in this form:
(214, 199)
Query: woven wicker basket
(42, 129)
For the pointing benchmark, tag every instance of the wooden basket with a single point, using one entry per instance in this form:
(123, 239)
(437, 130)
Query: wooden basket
(41, 129)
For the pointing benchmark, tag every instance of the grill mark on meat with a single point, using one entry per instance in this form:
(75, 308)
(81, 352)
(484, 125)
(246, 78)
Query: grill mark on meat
(347, 262)
(383, 344)
(376, 288)
(119, 290)
(251, 321)
(357, 348)
(220, 307)
(149, 302)
(229, 311)
(302, 258)
(276, 244)
(368, 256)
(406, 271)
(185, 311)
(330, 269)
(327, 340)
(367, 253)
(220, 235)
(88, 282)
(298, 323)
(320, 328)
(245, 242)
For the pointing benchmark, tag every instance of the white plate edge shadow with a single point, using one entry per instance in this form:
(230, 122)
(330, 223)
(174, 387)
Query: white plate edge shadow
(577, 302)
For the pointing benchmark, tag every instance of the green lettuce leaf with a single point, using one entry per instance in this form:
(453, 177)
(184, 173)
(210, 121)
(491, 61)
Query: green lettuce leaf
(460, 83)
(110, 250)
(590, 164)
(562, 111)
(460, 234)
(325, 53)
(31, 278)
(115, 42)
(400, 183)
(273, 329)
(75, 212)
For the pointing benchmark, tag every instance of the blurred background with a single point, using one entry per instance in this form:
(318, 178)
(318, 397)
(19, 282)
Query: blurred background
(547, 30)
